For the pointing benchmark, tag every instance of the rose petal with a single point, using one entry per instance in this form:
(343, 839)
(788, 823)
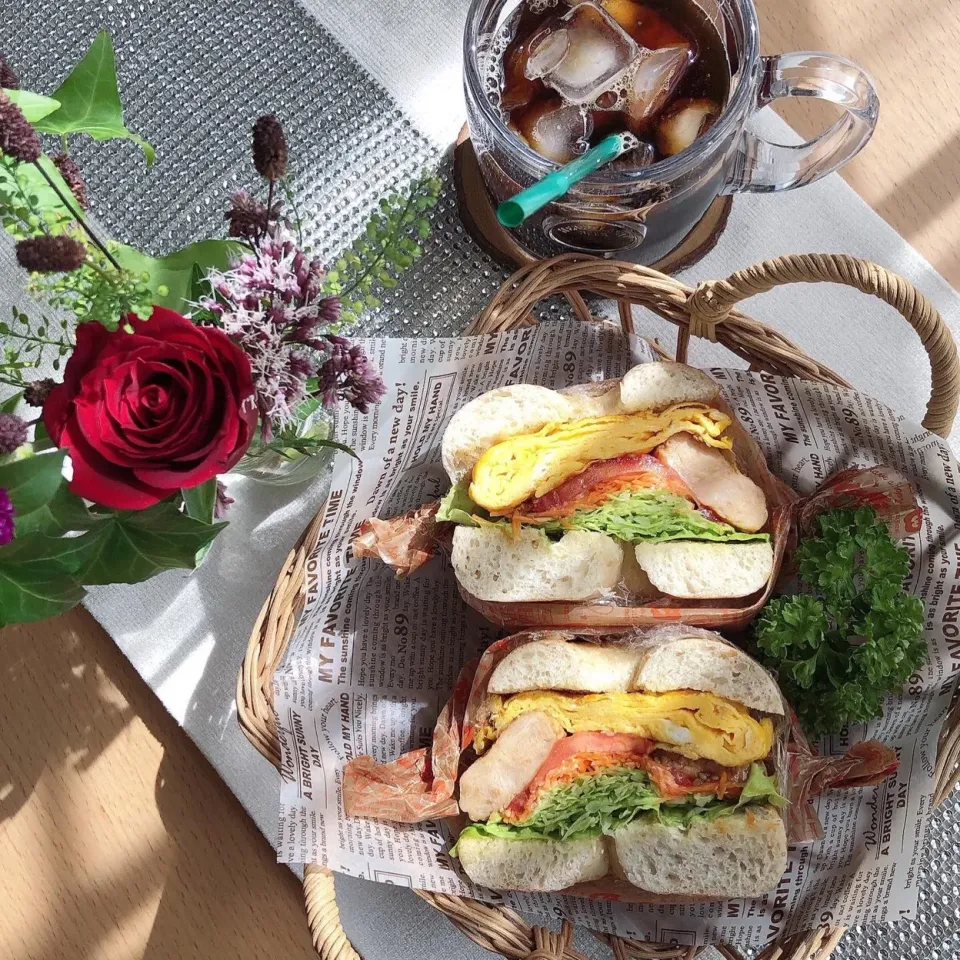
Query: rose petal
(129, 441)
(218, 456)
(96, 479)
(90, 340)
(197, 427)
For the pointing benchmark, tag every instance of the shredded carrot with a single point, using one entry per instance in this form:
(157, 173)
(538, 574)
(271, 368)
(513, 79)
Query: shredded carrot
(598, 494)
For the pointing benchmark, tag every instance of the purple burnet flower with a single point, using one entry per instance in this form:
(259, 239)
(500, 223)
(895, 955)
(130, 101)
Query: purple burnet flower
(269, 148)
(6, 517)
(50, 254)
(72, 177)
(222, 502)
(36, 393)
(248, 218)
(348, 374)
(17, 138)
(8, 76)
(13, 432)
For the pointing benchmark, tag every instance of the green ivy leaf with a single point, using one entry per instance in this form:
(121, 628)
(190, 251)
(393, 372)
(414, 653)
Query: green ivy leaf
(27, 595)
(33, 105)
(64, 512)
(41, 439)
(176, 271)
(41, 552)
(201, 500)
(36, 578)
(32, 482)
(130, 546)
(90, 101)
(198, 285)
(11, 403)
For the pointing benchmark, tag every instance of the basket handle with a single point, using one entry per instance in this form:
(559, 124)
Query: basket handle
(323, 915)
(712, 301)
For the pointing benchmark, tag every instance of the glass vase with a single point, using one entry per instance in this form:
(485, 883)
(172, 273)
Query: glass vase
(286, 465)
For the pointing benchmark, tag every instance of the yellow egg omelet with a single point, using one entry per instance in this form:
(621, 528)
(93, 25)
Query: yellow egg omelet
(533, 464)
(694, 724)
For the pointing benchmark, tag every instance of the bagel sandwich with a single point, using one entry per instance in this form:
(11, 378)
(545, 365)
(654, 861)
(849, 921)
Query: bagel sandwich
(652, 767)
(627, 485)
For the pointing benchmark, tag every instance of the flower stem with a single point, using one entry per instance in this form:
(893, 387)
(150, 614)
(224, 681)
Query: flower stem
(77, 216)
(12, 174)
(42, 340)
(297, 219)
(269, 208)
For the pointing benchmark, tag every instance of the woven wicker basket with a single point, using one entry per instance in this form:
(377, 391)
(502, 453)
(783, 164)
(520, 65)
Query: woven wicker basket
(708, 311)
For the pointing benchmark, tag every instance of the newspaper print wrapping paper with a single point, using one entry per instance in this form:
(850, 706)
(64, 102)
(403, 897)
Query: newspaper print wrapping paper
(374, 659)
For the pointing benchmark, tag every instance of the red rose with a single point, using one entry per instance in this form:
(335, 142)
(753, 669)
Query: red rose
(145, 413)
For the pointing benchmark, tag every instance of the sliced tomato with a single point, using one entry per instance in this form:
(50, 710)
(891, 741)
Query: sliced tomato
(574, 756)
(603, 479)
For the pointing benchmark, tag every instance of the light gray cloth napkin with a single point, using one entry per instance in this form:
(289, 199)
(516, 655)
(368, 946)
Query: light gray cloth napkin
(186, 635)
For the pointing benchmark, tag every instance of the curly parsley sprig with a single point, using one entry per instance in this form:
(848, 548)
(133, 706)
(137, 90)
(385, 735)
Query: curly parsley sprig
(856, 635)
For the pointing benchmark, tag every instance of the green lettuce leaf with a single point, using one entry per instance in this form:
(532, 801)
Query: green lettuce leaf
(594, 804)
(655, 515)
(457, 507)
(761, 787)
(605, 802)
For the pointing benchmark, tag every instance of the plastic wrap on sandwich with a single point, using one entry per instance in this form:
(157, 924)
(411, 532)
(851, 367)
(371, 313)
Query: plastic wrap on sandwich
(660, 740)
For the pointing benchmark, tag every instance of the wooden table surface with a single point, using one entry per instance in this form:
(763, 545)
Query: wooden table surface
(170, 866)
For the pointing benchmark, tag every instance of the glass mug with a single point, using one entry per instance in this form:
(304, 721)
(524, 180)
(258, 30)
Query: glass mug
(643, 215)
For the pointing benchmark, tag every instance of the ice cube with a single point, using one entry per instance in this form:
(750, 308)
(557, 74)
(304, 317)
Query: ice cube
(639, 157)
(556, 130)
(654, 79)
(627, 13)
(518, 89)
(547, 51)
(684, 121)
(584, 54)
(646, 26)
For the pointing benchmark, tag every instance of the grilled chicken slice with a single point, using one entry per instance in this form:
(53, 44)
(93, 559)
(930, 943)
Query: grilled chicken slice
(715, 482)
(490, 783)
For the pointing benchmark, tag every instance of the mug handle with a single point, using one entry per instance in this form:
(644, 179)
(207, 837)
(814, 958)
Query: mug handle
(761, 166)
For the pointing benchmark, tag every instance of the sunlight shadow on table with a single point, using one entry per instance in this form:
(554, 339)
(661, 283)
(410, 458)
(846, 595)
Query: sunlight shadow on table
(224, 881)
(57, 709)
(118, 839)
(895, 49)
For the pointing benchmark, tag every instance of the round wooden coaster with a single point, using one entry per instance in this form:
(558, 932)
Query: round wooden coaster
(480, 219)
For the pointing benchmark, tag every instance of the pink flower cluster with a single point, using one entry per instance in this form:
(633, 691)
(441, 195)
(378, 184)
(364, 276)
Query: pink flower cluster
(272, 305)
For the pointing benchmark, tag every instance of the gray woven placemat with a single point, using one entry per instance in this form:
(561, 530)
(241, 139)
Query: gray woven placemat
(194, 75)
